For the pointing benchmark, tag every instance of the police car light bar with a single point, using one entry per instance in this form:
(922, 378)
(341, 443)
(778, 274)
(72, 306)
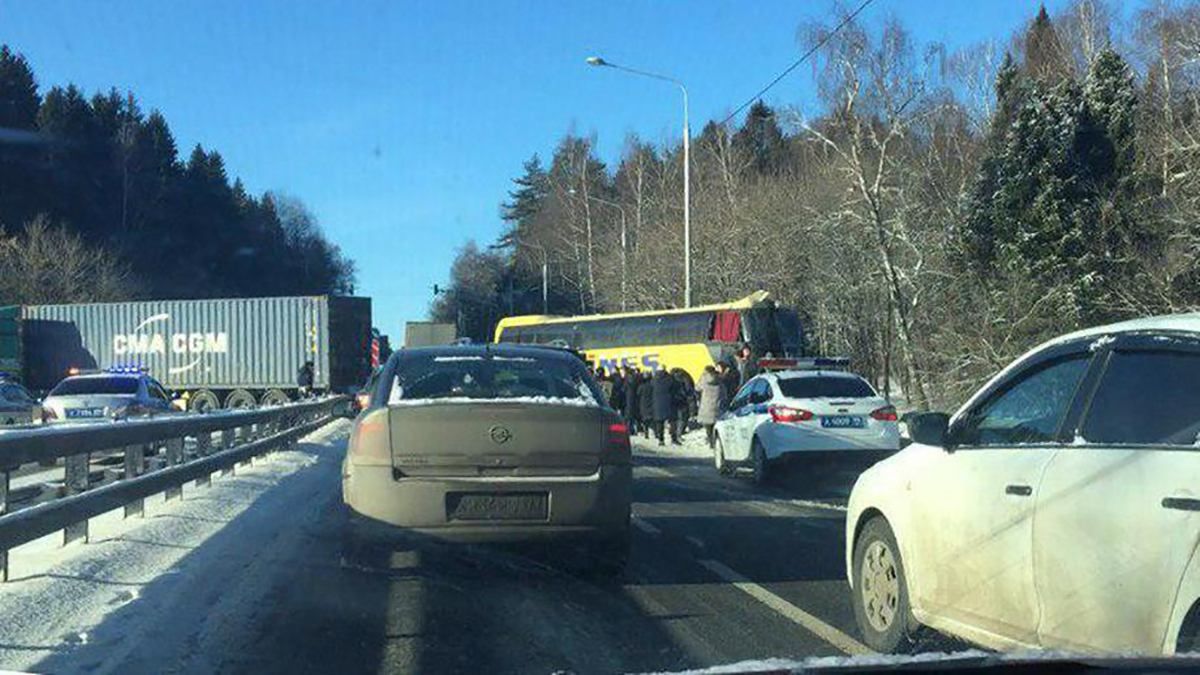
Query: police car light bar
(809, 363)
(127, 370)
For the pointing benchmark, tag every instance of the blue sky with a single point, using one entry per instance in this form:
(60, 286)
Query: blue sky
(401, 124)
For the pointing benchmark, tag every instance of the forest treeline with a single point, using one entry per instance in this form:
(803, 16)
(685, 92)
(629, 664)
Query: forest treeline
(97, 204)
(936, 214)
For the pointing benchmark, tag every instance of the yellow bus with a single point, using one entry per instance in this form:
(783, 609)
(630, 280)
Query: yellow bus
(672, 339)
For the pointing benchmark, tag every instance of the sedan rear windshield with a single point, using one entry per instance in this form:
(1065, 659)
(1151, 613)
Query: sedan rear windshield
(95, 385)
(825, 387)
(492, 377)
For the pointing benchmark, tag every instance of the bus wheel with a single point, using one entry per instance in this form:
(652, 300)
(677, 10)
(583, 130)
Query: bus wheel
(239, 399)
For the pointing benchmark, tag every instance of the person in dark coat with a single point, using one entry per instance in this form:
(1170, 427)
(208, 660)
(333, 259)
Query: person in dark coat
(646, 403)
(725, 395)
(605, 382)
(304, 378)
(685, 396)
(747, 365)
(666, 405)
(633, 413)
(616, 398)
(733, 382)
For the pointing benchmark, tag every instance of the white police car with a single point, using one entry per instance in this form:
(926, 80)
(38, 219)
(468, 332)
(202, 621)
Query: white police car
(17, 406)
(807, 407)
(118, 393)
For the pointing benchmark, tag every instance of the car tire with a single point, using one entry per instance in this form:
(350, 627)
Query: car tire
(760, 466)
(723, 467)
(881, 604)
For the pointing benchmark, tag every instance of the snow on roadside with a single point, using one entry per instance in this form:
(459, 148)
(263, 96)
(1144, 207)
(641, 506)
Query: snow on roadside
(695, 445)
(58, 596)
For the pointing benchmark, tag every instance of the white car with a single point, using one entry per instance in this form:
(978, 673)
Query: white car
(792, 412)
(1059, 508)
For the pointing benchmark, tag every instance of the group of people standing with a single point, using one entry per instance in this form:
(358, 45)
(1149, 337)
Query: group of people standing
(651, 401)
(661, 402)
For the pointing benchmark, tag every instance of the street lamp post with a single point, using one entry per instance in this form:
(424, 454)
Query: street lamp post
(687, 182)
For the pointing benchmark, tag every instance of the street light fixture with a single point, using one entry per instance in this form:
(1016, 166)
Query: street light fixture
(687, 183)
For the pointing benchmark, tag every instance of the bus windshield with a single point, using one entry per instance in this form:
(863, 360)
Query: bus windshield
(791, 335)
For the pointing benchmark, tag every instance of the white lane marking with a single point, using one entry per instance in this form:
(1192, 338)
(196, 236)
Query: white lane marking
(818, 505)
(694, 541)
(789, 611)
(645, 526)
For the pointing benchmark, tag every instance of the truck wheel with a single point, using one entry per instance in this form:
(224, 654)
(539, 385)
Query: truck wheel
(274, 397)
(239, 399)
(203, 401)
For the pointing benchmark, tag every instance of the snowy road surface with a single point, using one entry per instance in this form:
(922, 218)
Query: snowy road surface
(247, 576)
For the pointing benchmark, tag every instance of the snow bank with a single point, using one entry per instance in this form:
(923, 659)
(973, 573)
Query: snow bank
(61, 598)
(695, 445)
(777, 665)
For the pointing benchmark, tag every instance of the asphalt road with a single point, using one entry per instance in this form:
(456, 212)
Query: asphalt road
(721, 571)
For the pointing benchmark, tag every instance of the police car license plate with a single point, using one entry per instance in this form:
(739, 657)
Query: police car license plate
(84, 413)
(843, 422)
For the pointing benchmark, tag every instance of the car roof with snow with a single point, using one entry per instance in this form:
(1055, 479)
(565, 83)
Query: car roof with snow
(486, 350)
(1171, 322)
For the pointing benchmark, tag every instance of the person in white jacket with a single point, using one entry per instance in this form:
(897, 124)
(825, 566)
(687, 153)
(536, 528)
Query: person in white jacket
(710, 403)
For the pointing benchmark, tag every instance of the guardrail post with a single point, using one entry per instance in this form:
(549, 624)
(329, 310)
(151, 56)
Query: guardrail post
(246, 435)
(3, 510)
(174, 457)
(204, 449)
(76, 469)
(228, 440)
(134, 464)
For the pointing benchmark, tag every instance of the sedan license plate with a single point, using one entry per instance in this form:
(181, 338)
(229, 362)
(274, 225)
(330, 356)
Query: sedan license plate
(84, 413)
(843, 422)
(497, 506)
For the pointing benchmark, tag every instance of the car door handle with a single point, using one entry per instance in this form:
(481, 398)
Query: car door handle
(1181, 503)
(1018, 490)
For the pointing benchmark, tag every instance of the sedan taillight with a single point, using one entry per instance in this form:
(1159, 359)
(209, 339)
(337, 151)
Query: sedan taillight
(782, 413)
(370, 441)
(617, 438)
(48, 415)
(885, 414)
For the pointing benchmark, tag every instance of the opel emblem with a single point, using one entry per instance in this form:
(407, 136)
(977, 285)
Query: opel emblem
(500, 435)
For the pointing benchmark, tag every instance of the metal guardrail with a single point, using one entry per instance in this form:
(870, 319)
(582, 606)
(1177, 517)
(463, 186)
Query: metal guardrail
(154, 457)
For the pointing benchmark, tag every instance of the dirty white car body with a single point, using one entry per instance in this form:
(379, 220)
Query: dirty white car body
(1062, 509)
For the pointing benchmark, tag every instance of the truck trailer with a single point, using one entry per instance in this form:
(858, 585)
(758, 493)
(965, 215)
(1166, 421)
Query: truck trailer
(219, 353)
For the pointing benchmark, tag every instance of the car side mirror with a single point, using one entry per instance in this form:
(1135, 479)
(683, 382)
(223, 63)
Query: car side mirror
(929, 428)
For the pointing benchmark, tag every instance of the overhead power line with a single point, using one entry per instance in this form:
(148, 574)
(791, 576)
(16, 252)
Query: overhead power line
(802, 59)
